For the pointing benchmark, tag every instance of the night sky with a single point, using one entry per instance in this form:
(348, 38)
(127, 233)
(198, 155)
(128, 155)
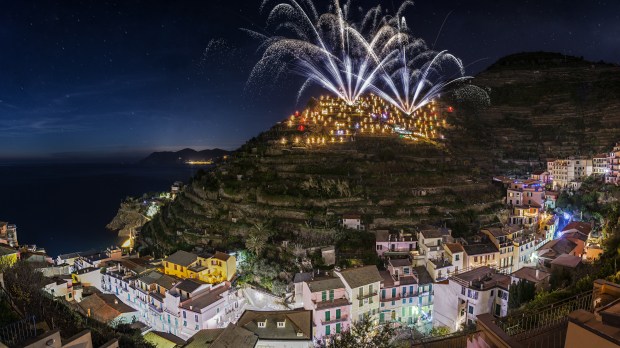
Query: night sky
(95, 79)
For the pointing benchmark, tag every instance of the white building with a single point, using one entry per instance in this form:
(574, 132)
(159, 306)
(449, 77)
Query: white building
(613, 166)
(362, 285)
(565, 171)
(352, 221)
(279, 329)
(469, 294)
(599, 164)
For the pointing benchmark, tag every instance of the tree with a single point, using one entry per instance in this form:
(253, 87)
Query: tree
(257, 239)
(363, 334)
(520, 293)
(439, 331)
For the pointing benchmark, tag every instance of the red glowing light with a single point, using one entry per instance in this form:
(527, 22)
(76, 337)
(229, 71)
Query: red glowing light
(301, 128)
(450, 109)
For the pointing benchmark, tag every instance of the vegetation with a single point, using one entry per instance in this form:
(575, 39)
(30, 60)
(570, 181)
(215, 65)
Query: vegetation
(364, 334)
(520, 293)
(23, 288)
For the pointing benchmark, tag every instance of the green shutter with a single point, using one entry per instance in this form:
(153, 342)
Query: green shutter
(337, 327)
(327, 316)
(327, 330)
(337, 313)
(331, 295)
(324, 296)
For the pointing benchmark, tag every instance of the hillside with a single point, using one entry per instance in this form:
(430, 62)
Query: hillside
(168, 158)
(550, 105)
(300, 176)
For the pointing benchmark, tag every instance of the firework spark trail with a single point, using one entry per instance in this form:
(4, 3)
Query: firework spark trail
(349, 58)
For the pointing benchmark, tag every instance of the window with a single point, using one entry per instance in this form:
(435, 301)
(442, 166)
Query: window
(184, 323)
(327, 330)
(361, 292)
(324, 296)
(462, 290)
(184, 315)
(471, 309)
(337, 327)
(327, 316)
(475, 258)
(331, 295)
(261, 324)
(337, 313)
(456, 257)
(393, 292)
(196, 315)
(383, 293)
(492, 293)
(281, 324)
(370, 289)
(196, 327)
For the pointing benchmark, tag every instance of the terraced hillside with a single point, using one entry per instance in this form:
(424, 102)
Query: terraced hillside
(550, 105)
(298, 178)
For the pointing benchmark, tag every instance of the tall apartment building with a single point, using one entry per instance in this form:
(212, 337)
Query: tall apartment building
(469, 294)
(362, 286)
(613, 166)
(566, 171)
(599, 164)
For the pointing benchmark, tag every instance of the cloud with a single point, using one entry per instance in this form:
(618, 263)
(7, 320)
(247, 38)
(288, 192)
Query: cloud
(39, 126)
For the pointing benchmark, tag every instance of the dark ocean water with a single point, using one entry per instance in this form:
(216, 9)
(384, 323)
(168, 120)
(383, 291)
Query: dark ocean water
(65, 207)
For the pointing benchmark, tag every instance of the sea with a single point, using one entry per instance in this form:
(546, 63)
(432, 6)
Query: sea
(65, 207)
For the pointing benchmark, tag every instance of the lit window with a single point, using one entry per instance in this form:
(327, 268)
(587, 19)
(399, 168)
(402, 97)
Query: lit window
(262, 323)
(281, 324)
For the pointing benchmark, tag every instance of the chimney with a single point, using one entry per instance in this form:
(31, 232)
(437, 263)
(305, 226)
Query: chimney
(115, 301)
(190, 307)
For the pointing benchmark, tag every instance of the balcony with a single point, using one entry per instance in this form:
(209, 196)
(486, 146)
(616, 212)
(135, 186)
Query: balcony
(155, 308)
(368, 295)
(338, 302)
(334, 320)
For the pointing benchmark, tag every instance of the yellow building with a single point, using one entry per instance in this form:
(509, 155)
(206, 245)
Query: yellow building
(8, 256)
(209, 268)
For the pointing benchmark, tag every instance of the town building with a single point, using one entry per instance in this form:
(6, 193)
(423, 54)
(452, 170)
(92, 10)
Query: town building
(612, 176)
(279, 329)
(328, 300)
(599, 164)
(484, 254)
(8, 256)
(352, 222)
(566, 172)
(554, 248)
(362, 285)
(533, 275)
(466, 295)
(394, 243)
(209, 268)
(430, 242)
(108, 309)
(231, 336)
(527, 192)
(8, 234)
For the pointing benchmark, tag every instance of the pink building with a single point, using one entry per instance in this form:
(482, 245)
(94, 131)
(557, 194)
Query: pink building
(399, 299)
(394, 243)
(331, 308)
(528, 192)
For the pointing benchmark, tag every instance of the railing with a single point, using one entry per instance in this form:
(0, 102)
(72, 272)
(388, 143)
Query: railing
(335, 320)
(554, 315)
(18, 331)
(155, 308)
(365, 296)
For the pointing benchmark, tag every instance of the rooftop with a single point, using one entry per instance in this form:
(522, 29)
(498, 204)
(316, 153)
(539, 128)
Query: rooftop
(104, 307)
(322, 284)
(232, 336)
(399, 262)
(297, 324)
(565, 260)
(482, 278)
(205, 299)
(361, 276)
(531, 274)
(583, 227)
(189, 285)
(182, 258)
(480, 249)
(221, 256)
(454, 247)
(423, 276)
(435, 232)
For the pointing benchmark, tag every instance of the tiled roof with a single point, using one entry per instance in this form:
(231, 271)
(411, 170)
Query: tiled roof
(566, 260)
(478, 249)
(182, 258)
(361, 276)
(189, 285)
(232, 336)
(455, 247)
(400, 262)
(221, 256)
(530, 274)
(205, 299)
(583, 227)
(323, 284)
(104, 307)
(297, 324)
